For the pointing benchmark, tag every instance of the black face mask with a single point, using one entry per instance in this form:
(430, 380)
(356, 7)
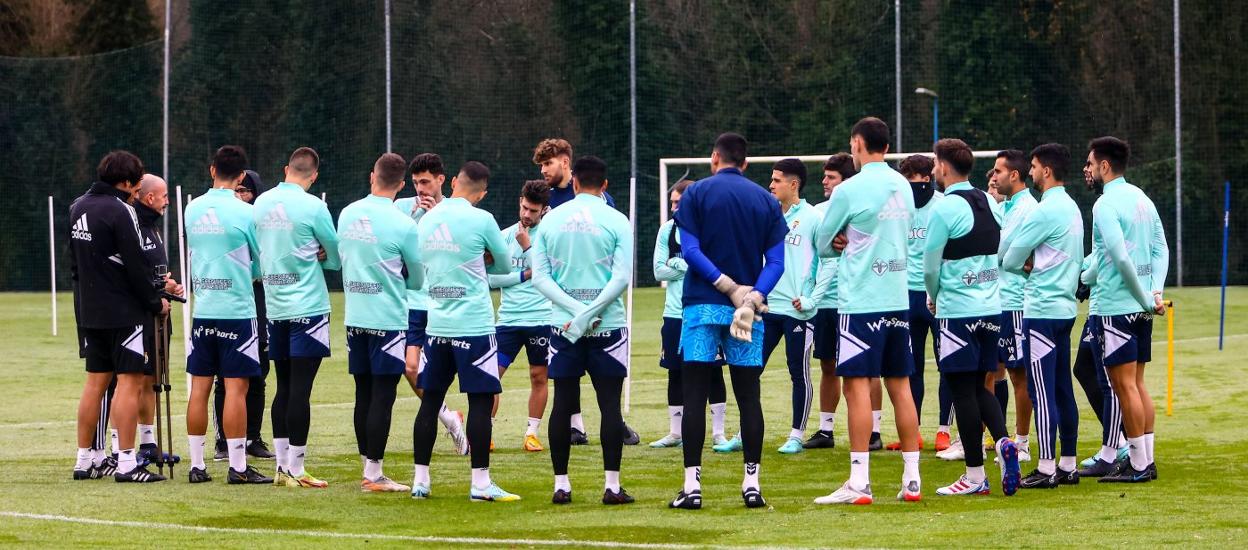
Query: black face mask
(923, 192)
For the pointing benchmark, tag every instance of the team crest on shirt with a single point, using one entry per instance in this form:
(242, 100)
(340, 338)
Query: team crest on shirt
(793, 237)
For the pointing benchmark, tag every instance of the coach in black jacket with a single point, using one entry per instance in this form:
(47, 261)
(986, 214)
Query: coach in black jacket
(115, 295)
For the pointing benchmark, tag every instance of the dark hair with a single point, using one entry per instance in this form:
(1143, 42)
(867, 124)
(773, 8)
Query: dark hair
(874, 133)
(1113, 150)
(1014, 160)
(476, 173)
(731, 148)
(536, 192)
(590, 172)
(550, 148)
(957, 153)
(793, 168)
(842, 163)
(427, 162)
(119, 167)
(681, 186)
(1055, 157)
(917, 165)
(230, 161)
(390, 169)
(305, 161)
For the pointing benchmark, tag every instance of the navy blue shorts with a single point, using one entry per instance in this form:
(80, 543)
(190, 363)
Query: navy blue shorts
(377, 352)
(535, 341)
(669, 352)
(229, 348)
(301, 337)
(1124, 338)
(826, 334)
(603, 353)
(874, 344)
(1085, 336)
(969, 344)
(417, 320)
(1011, 341)
(116, 350)
(473, 358)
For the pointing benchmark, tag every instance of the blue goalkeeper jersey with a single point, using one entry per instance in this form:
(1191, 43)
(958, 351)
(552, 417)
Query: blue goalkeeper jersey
(874, 209)
(380, 262)
(800, 265)
(583, 261)
(1130, 250)
(221, 238)
(292, 226)
(1053, 231)
(520, 304)
(1014, 286)
(454, 238)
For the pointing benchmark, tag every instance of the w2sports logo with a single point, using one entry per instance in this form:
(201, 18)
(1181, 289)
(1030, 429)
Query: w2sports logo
(891, 322)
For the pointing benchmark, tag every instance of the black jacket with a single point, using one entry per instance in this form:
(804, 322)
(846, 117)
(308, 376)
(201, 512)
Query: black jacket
(114, 282)
(153, 244)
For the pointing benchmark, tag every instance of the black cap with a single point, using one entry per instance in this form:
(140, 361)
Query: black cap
(251, 182)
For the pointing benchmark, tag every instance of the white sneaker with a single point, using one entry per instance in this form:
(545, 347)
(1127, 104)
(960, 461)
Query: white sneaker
(458, 436)
(910, 491)
(1024, 454)
(954, 452)
(719, 439)
(847, 495)
(964, 486)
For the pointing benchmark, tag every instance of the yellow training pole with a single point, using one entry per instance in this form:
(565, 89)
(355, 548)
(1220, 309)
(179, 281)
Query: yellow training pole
(1170, 358)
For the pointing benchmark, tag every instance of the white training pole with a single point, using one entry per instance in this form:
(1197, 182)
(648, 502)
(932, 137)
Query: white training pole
(323, 197)
(184, 266)
(632, 186)
(52, 259)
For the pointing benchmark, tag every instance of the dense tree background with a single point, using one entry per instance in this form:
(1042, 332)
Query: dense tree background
(486, 80)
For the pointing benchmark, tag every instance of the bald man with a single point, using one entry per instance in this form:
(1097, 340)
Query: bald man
(149, 205)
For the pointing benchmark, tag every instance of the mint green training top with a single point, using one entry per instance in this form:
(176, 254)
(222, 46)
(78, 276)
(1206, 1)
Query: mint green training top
(453, 240)
(376, 243)
(800, 265)
(825, 293)
(1130, 250)
(670, 270)
(1053, 231)
(520, 304)
(416, 299)
(918, 243)
(221, 238)
(1014, 286)
(291, 227)
(965, 287)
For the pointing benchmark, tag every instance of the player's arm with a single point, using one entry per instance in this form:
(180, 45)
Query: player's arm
(1090, 270)
(823, 274)
(806, 299)
(621, 272)
(139, 273)
(1160, 255)
(253, 246)
(1116, 247)
(544, 282)
(834, 221)
(411, 259)
(497, 247)
(1029, 234)
(665, 268)
(934, 252)
(323, 231)
(510, 279)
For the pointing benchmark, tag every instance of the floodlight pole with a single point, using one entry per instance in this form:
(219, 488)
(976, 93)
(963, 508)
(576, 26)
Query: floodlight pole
(632, 181)
(1178, 152)
(897, 66)
(388, 113)
(164, 124)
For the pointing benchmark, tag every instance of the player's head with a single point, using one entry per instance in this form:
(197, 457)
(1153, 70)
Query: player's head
(1048, 165)
(917, 168)
(303, 167)
(472, 182)
(248, 189)
(868, 141)
(953, 162)
(121, 169)
(428, 175)
(589, 175)
(228, 167)
(1008, 170)
(554, 156)
(678, 190)
(729, 152)
(534, 198)
(153, 193)
(788, 176)
(1107, 158)
(837, 169)
(387, 175)
(993, 190)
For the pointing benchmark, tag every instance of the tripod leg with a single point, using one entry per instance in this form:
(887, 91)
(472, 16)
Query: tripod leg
(161, 428)
(163, 362)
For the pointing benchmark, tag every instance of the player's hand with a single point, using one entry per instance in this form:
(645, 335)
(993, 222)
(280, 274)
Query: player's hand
(678, 263)
(742, 327)
(1159, 305)
(797, 303)
(164, 307)
(803, 303)
(522, 237)
(528, 274)
(756, 301)
(1083, 292)
(1030, 263)
(931, 306)
(840, 242)
(321, 255)
(423, 203)
(489, 258)
(172, 286)
(735, 292)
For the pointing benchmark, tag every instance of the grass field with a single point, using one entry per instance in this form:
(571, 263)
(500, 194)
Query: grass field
(1198, 501)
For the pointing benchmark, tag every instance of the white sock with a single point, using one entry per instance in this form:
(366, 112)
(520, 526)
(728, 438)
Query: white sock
(562, 483)
(195, 445)
(1138, 450)
(674, 415)
(294, 459)
(126, 462)
(578, 422)
(421, 475)
(113, 435)
(910, 465)
(976, 474)
(1021, 440)
(1108, 454)
(827, 421)
(693, 479)
(147, 434)
(97, 456)
(372, 469)
(719, 411)
(534, 424)
(750, 480)
(859, 470)
(448, 417)
(612, 480)
(875, 421)
(796, 433)
(1046, 466)
(84, 459)
(1067, 463)
(237, 447)
(480, 478)
(1148, 446)
(281, 448)
(943, 429)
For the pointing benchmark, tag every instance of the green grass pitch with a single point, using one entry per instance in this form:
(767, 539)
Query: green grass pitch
(1198, 501)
